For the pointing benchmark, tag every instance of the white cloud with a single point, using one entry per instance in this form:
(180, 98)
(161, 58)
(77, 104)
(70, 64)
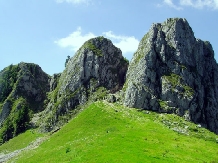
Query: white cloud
(216, 4)
(75, 40)
(73, 1)
(186, 2)
(171, 4)
(200, 3)
(128, 44)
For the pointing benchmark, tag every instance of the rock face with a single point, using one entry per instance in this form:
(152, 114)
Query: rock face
(23, 90)
(174, 72)
(97, 59)
(98, 63)
(32, 84)
(171, 72)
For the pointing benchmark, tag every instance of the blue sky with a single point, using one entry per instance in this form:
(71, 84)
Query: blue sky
(45, 32)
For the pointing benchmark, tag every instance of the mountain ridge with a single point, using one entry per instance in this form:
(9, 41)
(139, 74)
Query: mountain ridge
(176, 73)
(171, 72)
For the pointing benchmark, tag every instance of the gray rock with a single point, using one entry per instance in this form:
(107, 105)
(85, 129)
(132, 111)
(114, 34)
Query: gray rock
(32, 84)
(5, 111)
(174, 72)
(98, 63)
(54, 81)
(23, 94)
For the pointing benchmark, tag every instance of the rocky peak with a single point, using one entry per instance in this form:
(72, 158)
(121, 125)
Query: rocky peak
(99, 59)
(171, 72)
(174, 72)
(32, 83)
(23, 90)
(98, 63)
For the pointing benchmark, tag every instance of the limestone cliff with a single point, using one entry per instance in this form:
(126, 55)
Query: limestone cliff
(23, 89)
(98, 64)
(174, 72)
(171, 72)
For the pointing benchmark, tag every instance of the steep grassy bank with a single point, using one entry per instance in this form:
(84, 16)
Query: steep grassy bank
(105, 132)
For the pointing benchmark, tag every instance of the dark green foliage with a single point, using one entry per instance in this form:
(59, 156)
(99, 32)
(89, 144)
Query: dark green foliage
(99, 94)
(93, 48)
(33, 68)
(6, 131)
(18, 111)
(21, 118)
(17, 122)
(126, 60)
(8, 78)
(67, 60)
(68, 149)
(177, 80)
(101, 38)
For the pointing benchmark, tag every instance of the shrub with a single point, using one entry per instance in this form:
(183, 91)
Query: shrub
(68, 149)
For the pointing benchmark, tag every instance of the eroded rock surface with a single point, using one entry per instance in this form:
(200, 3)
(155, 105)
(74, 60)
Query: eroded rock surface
(174, 72)
(98, 63)
(23, 90)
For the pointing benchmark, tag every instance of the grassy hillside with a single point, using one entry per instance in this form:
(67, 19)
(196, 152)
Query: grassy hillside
(105, 132)
(20, 141)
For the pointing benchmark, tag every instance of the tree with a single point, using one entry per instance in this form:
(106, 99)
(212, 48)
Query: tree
(68, 58)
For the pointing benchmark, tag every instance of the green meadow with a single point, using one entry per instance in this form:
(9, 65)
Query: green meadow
(111, 133)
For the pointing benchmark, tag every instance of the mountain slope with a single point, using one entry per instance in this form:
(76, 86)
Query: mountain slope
(171, 72)
(23, 89)
(98, 63)
(105, 132)
(29, 98)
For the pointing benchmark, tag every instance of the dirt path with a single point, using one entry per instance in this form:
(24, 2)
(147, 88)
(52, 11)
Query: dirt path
(33, 145)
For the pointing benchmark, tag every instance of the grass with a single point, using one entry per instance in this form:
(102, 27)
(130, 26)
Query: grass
(175, 81)
(163, 104)
(105, 132)
(20, 141)
(165, 107)
(89, 44)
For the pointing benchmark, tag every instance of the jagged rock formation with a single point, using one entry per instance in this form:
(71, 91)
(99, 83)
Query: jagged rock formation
(174, 72)
(171, 72)
(23, 90)
(97, 66)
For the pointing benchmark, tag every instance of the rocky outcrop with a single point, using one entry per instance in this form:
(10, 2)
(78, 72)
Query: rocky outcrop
(32, 84)
(171, 72)
(23, 90)
(174, 72)
(97, 64)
